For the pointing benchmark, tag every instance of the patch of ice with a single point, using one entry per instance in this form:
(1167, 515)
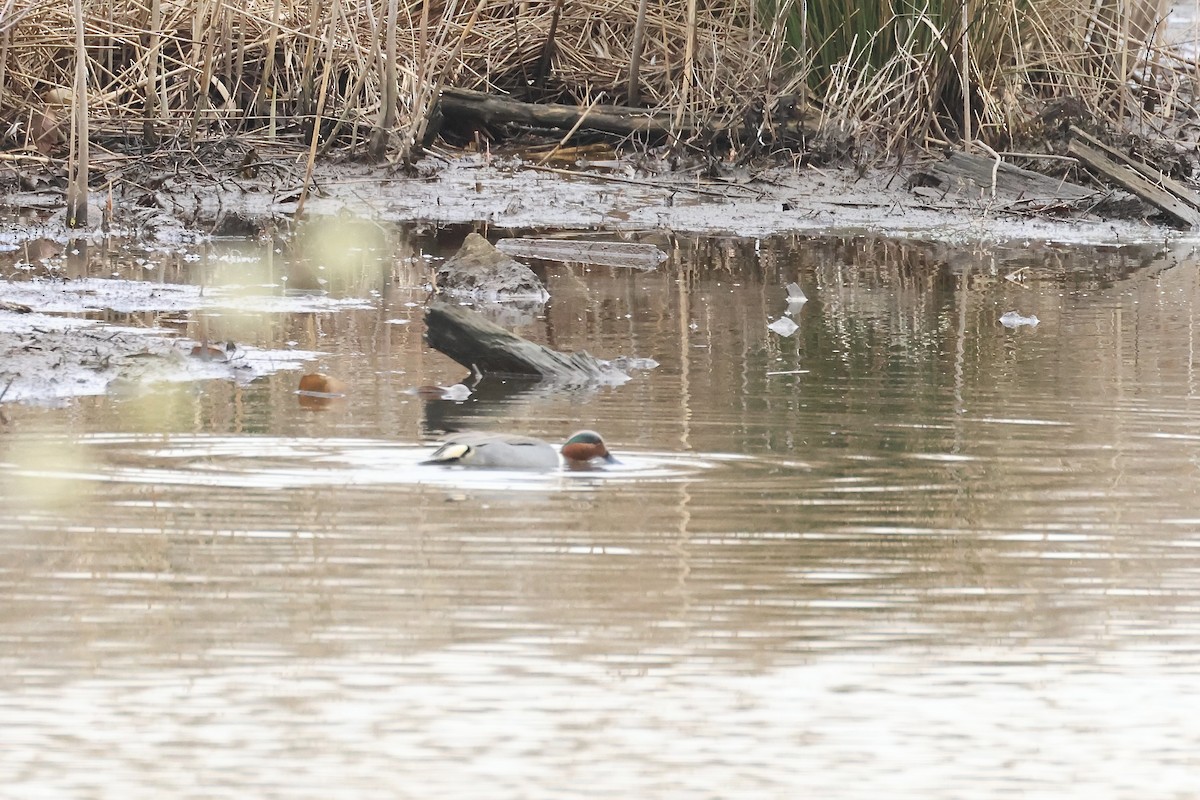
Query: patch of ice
(632, 363)
(784, 326)
(46, 359)
(53, 359)
(124, 296)
(458, 392)
(1013, 319)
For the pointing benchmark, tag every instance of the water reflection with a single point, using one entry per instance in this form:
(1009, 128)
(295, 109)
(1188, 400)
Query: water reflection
(905, 536)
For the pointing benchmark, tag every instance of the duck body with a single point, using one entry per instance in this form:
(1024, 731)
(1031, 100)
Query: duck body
(510, 451)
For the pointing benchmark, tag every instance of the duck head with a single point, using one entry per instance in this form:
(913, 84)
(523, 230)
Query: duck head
(584, 447)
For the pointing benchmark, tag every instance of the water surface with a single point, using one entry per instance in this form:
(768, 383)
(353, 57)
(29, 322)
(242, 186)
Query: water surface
(906, 552)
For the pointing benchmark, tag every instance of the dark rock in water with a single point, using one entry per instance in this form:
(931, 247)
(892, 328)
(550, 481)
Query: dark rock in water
(481, 272)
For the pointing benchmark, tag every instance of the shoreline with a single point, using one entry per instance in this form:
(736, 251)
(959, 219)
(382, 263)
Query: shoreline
(508, 194)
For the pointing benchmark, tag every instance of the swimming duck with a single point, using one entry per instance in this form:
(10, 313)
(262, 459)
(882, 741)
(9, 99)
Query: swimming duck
(520, 452)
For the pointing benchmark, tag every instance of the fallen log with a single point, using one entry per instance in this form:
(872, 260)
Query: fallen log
(787, 121)
(619, 120)
(1000, 179)
(1148, 172)
(1179, 212)
(608, 254)
(1017, 189)
(489, 350)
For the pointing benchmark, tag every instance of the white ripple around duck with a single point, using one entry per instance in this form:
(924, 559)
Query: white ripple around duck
(279, 463)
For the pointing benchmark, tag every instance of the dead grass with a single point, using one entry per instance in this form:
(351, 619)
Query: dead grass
(322, 75)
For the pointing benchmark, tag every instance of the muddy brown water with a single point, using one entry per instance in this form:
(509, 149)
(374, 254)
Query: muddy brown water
(906, 552)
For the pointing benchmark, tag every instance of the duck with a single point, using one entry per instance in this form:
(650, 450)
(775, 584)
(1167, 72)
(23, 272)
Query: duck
(511, 451)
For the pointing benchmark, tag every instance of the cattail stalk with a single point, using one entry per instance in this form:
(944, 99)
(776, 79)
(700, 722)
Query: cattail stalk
(77, 185)
(266, 93)
(547, 57)
(330, 40)
(151, 106)
(633, 88)
(965, 76)
(388, 100)
(304, 107)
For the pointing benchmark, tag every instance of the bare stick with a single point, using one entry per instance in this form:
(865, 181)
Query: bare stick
(331, 36)
(387, 111)
(578, 124)
(543, 67)
(151, 106)
(965, 79)
(633, 86)
(264, 84)
(77, 194)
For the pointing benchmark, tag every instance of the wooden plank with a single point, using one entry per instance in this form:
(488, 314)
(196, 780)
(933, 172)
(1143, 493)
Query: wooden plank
(1150, 173)
(633, 255)
(1180, 213)
(1010, 182)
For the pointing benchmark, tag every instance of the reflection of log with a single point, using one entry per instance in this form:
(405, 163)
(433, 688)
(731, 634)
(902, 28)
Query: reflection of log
(621, 120)
(480, 345)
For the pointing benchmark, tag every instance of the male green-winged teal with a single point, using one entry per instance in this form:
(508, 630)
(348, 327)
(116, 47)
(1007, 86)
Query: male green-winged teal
(520, 452)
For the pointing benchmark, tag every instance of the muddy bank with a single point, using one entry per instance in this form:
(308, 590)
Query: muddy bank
(509, 193)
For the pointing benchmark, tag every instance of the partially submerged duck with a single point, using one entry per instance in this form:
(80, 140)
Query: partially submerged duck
(510, 451)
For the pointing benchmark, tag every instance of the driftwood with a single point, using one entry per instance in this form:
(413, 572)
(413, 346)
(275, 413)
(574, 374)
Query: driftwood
(1180, 204)
(609, 254)
(999, 179)
(489, 350)
(620, 120)
(786, 121)
(1018, 189)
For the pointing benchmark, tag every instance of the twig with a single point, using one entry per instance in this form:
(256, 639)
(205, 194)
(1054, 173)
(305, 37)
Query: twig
(651, 184)
(578, 124)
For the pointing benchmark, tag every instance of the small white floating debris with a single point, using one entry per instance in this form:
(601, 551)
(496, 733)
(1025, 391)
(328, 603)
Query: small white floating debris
(789, 372)
(784, 326)
(608, 254)
(1013, 319)
(458, 392)
(796, 295)
(632, 363)
(397, 321)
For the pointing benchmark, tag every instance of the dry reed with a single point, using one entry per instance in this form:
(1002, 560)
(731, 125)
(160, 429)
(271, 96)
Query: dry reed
(77, 186)
(366, 75)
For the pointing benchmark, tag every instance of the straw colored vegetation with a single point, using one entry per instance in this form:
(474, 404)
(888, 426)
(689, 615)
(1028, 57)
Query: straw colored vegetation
(840, 77)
